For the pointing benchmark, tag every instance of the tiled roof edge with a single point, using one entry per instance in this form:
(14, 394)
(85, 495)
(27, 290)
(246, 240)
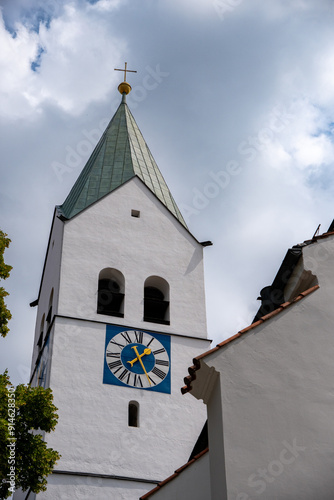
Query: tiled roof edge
(319, 237)
(197, 361)
(173, 476)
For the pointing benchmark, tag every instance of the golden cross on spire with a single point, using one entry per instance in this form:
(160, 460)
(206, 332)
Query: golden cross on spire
(126, 70)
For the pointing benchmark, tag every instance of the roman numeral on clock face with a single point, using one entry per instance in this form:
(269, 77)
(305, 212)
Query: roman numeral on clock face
(159, 373)
(150, 342)
(113, 354)
(115, 364)
(137, 381)
(116, 343)
(139, 337)
(126, 337)
(158, 351)
(161, 362)
(123, 374)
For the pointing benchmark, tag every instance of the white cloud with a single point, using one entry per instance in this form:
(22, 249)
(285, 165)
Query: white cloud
(73, 68)
(16, 56)
(106, 5)
(324, 75)
(307, 140)
(302, 141)
(313, 151)
(277, 156)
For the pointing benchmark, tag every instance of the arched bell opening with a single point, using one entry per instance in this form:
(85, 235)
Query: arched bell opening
(156, 300)
(110, 294)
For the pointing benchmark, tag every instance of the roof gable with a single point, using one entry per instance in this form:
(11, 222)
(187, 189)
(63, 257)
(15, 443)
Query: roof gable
(197, 361)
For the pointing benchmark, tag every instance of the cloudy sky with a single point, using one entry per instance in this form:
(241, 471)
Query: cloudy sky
(235, 99)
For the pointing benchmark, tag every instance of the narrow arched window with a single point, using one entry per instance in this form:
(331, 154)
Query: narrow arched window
(110, 295)
(41, 332)
(156, 300)
(49, 315)
(133, 414)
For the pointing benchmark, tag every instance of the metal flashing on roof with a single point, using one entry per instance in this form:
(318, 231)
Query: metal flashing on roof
(272, 296)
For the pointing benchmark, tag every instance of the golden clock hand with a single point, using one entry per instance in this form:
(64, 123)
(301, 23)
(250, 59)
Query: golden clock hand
(140, 361)
(146, 351)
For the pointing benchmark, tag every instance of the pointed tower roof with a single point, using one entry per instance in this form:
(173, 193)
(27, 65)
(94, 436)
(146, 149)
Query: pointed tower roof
(120, 155)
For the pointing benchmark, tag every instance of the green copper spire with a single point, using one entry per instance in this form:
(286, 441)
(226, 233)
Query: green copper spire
(121, 154)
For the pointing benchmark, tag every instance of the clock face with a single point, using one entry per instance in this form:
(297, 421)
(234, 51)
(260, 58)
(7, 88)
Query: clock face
(138, 359)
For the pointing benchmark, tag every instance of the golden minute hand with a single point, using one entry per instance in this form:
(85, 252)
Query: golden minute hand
(140, 361)
(146, 351)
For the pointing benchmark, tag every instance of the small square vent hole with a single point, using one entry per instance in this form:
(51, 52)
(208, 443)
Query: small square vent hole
(135, 213)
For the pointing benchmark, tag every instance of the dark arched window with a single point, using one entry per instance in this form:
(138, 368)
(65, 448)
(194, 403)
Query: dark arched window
(110, 295)
(133, 414)
(49, 315)
(41, 331)
(156, 300)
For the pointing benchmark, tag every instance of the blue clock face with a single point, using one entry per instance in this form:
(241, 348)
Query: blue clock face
(138, 359)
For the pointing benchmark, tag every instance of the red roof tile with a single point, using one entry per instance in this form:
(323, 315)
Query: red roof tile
(319, 237)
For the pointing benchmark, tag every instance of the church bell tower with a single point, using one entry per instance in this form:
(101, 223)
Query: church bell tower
(121, 312)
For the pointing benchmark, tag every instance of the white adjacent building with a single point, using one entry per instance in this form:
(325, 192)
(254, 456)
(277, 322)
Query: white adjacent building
(269, 392)
(121, 310)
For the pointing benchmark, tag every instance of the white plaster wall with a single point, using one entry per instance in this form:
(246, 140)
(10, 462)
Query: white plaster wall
(50, 280)
(192, 484)
(278, 397)
(67, 487)
(92, 434)
(105, 235)
(21, 495)
(216, 444)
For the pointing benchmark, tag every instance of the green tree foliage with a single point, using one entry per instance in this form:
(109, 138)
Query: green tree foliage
(25, 459)
(5, 269)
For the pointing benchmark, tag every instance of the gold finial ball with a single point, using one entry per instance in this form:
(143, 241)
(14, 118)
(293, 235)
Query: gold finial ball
(124, 88)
